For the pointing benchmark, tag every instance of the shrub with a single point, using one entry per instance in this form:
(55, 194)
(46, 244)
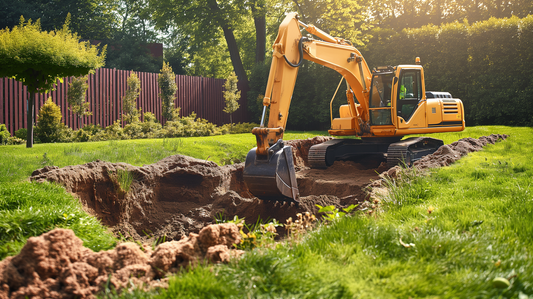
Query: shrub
(92, 129)
(237, 128)
(21, 133)
(150, 127)
(76, 96)
(231, 96)
(14, 141)
(4, 134)
(82, 136)
(49, 126)
(112, 132)
(129, 101)
(167, 85)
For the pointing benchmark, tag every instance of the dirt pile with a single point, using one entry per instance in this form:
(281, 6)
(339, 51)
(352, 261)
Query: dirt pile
(56, 265)
(449, 153)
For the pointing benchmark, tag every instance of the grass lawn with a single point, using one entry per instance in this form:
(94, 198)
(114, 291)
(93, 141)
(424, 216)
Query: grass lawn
(480, 225)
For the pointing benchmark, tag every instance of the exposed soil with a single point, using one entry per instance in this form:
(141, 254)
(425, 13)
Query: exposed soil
(178, 197)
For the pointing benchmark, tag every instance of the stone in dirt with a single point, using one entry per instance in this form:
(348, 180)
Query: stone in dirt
(56, 265)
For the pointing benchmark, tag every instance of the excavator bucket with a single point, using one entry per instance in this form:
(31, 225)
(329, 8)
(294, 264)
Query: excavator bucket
(272, 177)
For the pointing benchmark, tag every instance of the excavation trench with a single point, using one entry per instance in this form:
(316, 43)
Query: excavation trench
(178, 197)
(179, 194)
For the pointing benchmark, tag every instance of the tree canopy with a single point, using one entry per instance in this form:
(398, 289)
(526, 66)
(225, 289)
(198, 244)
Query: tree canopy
(39, 58)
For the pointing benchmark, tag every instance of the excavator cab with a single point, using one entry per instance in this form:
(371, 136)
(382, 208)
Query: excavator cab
(380, 99)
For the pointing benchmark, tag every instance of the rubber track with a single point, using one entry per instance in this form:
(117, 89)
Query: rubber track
(317, 156)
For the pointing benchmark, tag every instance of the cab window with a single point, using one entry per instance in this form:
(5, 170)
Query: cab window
(409, 93)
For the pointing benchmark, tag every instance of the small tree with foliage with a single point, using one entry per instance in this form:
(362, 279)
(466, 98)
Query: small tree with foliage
(231, 96)
(129, 102)
(38, 59)
(167, 85)
(76, 97)
(49, 126)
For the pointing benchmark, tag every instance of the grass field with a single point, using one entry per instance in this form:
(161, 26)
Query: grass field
(479, 227)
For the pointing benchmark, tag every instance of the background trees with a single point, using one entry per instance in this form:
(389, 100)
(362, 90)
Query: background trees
(215, 37)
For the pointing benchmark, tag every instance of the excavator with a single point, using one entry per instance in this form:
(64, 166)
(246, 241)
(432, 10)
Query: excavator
(383, 106)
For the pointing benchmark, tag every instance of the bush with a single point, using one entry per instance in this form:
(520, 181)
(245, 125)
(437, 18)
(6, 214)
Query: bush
(150, 127)
(237, 128)
(49, 126)
(4, 134)
(82, 136)
(92, 129)
(21, 133)
(112, 132)
(187, 127)
(15, 141)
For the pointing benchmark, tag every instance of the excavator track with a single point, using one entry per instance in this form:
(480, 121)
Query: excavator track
(325, 154)
(403, 152)
(410, 150)
(318, 154)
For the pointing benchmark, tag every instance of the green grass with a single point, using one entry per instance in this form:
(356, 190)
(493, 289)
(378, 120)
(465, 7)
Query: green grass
(480, 227)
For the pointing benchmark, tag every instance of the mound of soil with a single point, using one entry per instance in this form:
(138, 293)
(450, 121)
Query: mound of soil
(178, 197)
(56, 265)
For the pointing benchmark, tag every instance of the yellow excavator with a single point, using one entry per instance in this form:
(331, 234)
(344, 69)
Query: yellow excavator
(382, 107)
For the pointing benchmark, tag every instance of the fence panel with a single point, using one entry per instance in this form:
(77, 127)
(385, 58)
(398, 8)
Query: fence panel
(107, 87)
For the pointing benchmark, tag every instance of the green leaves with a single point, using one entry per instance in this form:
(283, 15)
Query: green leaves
(332, 213)
(39, 58)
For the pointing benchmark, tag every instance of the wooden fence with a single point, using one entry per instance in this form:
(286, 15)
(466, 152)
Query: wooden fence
(106, 90)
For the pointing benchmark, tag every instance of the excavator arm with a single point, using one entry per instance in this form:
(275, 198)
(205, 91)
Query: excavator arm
(269, 171)
(290, 48)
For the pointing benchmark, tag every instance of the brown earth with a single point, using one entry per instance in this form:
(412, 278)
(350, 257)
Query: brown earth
(178, 197)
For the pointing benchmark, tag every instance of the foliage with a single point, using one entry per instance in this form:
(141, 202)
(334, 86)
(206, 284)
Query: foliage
(476, 63)
(348, 19)
(167, 84)
(4, 134)
(112, 132)
(332, 213)
(92, 129)
(21, 133)
(49, 126)
(91, 19)
(259, 234)
(231, 96)
(188, 126)
(76, 96)
(39, 58)
(129, 102)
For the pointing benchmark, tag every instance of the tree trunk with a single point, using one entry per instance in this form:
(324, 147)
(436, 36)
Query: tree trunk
(232, 44)
(260, 32)
(29, 123)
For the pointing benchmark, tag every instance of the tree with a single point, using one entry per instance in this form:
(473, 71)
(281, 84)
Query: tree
(167, 85)
(201, 20)
(128, 46)
(91, 19)
(39, 58)
(231, 96)
(129, 102)
(76, 97)
(49, 126)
